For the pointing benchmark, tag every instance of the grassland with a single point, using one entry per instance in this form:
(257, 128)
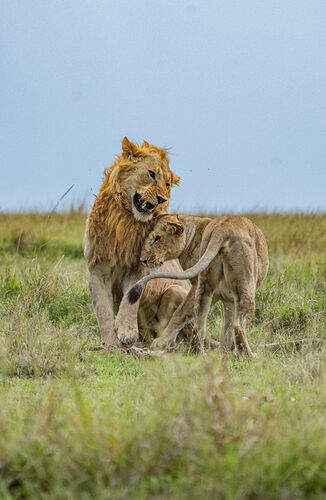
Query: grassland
(75, 423)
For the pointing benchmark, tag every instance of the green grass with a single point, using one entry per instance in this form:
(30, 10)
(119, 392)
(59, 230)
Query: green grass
(75, 423)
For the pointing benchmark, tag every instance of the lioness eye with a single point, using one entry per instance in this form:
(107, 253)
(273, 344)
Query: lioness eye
(152, 174)
(157, 238)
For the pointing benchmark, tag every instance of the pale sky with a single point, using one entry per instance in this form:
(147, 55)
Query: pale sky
(236, 89)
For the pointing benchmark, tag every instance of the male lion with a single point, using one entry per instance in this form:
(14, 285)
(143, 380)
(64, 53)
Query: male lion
(230, 256)
(136, 188)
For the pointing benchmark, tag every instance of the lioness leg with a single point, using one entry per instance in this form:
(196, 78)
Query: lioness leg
(170, 301)
(244, 310)
(227, 334)
(102, 299)
(181, 316)
(204, 296)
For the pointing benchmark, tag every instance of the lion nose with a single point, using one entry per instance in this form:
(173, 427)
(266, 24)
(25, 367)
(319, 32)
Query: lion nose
(160, 200)
(149, 206)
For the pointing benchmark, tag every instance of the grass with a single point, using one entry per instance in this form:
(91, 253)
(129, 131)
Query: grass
(75, 423)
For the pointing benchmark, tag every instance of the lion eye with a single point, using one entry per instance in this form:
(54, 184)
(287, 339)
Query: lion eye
(168, 184)
(156, 239)
(152, 174)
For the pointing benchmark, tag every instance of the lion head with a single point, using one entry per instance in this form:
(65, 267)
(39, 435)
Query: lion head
(135, 189)
(164, 242)
(142, 179)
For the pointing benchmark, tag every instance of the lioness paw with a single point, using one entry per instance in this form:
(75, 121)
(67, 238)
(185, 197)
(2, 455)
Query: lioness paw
(159, 344)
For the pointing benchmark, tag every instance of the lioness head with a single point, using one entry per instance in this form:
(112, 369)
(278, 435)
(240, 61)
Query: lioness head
(164, 242)
(142, 178)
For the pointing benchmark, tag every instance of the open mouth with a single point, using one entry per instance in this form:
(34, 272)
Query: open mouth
(141, 206)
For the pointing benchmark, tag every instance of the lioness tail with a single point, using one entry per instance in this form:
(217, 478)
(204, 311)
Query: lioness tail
(210, 253)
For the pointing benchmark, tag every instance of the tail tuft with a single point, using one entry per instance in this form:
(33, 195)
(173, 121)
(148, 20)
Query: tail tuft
(134, 293)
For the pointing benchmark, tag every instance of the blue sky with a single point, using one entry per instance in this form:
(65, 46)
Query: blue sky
(236, 89)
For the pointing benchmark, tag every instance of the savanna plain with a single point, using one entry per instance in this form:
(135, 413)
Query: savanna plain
(79, 423)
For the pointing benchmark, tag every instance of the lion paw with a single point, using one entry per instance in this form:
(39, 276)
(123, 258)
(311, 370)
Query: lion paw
(127, 338)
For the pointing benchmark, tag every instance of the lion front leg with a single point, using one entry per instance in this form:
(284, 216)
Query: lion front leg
(126, 323)
(101, 294)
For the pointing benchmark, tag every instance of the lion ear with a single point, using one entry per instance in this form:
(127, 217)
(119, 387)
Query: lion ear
(176, 228)
(175, 178)
(147, 144)
(128, 148)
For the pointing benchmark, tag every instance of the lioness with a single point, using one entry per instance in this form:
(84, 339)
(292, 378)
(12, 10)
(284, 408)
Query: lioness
(135, 189)
(230, 256)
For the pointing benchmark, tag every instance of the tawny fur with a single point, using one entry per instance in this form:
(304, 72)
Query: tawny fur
(230, 257)
(115, 232)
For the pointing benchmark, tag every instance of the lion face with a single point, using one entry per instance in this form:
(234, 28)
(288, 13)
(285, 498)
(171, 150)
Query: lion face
(144, 179)
(166, 241)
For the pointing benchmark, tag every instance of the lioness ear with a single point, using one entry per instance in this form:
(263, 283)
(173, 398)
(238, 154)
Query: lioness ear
(128, 148)
(175, 178)
(176, 228)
